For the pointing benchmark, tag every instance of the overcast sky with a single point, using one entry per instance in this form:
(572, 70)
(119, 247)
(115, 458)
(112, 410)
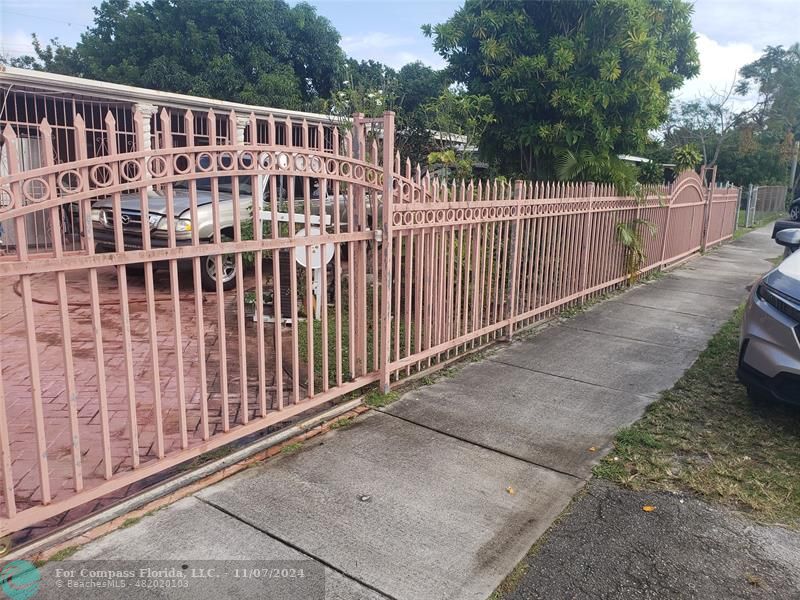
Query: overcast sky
(730, 33)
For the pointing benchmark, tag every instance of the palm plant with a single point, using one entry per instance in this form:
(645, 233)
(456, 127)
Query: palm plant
(588, 165)
(632, 239)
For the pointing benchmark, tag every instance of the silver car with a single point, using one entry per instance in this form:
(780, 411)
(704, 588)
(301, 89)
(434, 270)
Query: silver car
(206, 226)
(157, 223)
(769, 351)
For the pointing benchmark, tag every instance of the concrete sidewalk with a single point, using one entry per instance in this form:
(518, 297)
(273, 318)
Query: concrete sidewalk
(441, 494)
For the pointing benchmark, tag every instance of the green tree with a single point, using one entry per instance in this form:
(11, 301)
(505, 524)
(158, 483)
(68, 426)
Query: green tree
(686, 158)
(708, 122)
(457, 121)
(755, 156)
(776, 76)
(416, 85)
(260, 51)
(591, 78)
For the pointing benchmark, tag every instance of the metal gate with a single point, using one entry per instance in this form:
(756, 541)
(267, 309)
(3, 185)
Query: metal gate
(119, 364)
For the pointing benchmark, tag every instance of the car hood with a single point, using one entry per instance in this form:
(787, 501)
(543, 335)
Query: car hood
(786, 278)
(158, 203)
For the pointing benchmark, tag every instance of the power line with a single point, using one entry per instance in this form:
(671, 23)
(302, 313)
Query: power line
(19, 14)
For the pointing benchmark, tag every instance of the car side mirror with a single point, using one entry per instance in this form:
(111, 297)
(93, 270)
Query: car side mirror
(789, 238)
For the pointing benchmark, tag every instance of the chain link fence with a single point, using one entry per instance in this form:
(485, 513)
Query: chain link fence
(761, 203)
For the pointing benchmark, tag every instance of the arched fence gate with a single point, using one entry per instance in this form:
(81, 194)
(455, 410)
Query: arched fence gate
(182, 315)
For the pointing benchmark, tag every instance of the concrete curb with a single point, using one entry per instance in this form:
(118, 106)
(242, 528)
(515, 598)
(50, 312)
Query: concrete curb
(181, 486)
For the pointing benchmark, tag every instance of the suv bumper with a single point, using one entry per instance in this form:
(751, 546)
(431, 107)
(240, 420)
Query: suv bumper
(106, 241)
(769, 355)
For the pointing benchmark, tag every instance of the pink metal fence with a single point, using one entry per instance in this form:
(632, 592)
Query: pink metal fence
(108, 377)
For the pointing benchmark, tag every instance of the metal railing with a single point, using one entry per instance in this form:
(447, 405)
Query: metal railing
(110, 373)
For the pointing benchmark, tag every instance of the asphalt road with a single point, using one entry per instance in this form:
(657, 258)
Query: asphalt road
(608, 548)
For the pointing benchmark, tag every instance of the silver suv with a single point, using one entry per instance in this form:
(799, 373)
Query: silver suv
(132, 221)
(769, 351)
(131, 217)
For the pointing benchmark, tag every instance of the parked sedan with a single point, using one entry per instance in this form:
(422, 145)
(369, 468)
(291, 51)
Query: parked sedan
(769, 352)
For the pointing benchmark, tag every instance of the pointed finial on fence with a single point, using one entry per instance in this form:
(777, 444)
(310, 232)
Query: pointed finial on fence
(45, 128)
(253, 124)
(11, 148)
(335, 140)
(109, 119)
(211, 117)
(188, 126)
(304, 133)
(166, 128)
(8, 132)
(111, 132)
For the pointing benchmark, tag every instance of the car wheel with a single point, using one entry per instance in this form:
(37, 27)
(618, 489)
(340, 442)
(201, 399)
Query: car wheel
(794, 212)
(756, 394)
(208, 272)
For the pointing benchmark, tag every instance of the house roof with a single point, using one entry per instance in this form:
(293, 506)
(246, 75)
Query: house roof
(39, 80)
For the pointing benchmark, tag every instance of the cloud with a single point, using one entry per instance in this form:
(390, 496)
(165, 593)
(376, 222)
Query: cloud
(719, 66)
(17, 43)
(390, 49)
(760, 23)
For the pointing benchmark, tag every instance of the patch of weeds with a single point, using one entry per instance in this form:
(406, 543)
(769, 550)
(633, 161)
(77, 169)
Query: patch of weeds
(130, 522)
(510, 583)
(376, 399)
(62, 554)
(764, 220)
(291, 448)
(610, 469)
(706, 437)
(630, 437)
(342, 423)
(206, 457)
(572, 311)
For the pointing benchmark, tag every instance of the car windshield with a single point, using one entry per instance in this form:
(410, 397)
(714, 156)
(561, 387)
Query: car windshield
(225, 184)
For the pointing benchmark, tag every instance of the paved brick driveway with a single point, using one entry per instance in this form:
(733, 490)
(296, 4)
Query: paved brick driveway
(16, 379)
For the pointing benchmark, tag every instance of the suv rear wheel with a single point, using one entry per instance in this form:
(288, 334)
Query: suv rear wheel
(794, 212)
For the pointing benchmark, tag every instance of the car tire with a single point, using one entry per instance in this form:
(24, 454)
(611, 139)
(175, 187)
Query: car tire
(208, 278)
(756, 395)
(794, 212)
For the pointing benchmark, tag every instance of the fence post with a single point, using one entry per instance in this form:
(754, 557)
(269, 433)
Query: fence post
(666, 228)
(358, 260)
(515, 257)
(752, 206)
(387, 250)
(708, 206)
(587, 229)
(736, 209)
